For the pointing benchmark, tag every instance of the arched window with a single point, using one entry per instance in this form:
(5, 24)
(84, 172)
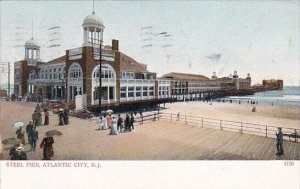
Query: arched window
(75, 71)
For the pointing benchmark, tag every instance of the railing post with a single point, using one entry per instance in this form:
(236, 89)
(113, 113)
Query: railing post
(202, 121)
(266, 131)
(185, 119)
(142, 120)
(221, 128)
(171, 117)
(241, 128)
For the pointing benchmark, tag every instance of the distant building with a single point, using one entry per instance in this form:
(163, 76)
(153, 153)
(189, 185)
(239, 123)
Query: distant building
(190, 84)
(273, 83)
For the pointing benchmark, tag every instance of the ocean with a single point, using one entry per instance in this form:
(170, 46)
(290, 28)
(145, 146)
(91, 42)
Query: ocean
(289, 96)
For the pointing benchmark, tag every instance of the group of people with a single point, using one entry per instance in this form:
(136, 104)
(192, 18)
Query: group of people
(63, 116)
(17, 151)
(37, 116)
(116, 125)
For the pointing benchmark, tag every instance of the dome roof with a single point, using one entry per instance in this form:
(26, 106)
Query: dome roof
(31, 43)
(93, 21)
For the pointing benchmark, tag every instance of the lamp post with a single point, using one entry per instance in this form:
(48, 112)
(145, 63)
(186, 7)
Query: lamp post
(100, 68)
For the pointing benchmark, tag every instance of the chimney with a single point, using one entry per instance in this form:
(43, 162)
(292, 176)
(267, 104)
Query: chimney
(115, 45)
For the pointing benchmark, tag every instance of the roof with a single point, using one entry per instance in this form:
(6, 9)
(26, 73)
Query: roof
(129, 64)
(32, 43)
(93, 21)
(58, 60)
(184, 76)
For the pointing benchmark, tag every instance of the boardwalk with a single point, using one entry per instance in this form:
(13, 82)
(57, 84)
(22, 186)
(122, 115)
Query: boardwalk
(159, 140)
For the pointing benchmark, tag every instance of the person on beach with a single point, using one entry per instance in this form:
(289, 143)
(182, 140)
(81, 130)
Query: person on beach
(114, 127)
(47, 146)
(120, 123)
(178, 116)
(29, 128)
(46, 114)
(131, 122)
(34, 137)
(20, 135)
(279, 145)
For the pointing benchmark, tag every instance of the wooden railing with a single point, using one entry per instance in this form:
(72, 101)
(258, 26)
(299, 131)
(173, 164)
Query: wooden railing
(233, 126)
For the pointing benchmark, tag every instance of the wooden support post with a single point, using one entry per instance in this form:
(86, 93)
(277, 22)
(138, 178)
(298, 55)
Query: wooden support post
(221, 128)
(185, 119)
(266, 131)
(241, 128)
(202, 121)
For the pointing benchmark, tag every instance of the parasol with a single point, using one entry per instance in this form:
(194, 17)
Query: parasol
(18, 124)
(53, 132)
(109, 111)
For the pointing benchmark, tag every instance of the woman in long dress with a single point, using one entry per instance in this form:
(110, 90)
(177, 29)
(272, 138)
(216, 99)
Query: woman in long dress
(109, 121)
(47, 146)
(104, 120)
(46, 113)
(114, 127)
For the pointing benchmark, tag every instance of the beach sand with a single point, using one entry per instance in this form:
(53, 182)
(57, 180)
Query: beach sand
(278, 116)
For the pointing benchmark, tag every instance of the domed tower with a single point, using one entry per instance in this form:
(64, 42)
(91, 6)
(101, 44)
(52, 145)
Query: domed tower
(235, 75)
(248, 76)
(214, 76)
(92, 30)
(32, 51)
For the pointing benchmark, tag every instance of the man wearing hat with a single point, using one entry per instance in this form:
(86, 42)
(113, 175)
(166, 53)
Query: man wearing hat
(29, 128)
(21, 154)
(279, 145)
(34, 137)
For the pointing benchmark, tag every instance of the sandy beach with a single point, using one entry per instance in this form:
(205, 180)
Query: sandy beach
(279, 116)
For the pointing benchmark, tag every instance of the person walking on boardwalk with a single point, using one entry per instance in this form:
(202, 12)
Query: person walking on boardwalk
(279, 145)
(109, 121)
(46, 114)
(120, 123)
(20, 135)
(104, 119)
(66, 115)
(61, 117)
(114, 128)
(131, 122)
(47, 146)
(29, 128)
(34, 137)
(127, 123)
(100, 122)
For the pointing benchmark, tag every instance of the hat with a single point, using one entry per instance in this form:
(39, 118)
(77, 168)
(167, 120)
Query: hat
(113, 116)
(61, 109)
(20, 148)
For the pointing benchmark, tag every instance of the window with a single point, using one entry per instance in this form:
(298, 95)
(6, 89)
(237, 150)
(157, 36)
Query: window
(54, 69)
(138, 91)
(151, 91)
(123, 92)
(59, 69)
(50, 70)
(50, 76)
(130, 91)
(145, 91)
(54, 76)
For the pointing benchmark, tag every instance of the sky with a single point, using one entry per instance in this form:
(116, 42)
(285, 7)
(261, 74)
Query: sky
(198, 37)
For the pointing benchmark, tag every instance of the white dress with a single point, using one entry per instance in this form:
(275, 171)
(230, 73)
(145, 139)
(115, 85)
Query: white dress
(104, 120)
(114, 129)
(100, 122)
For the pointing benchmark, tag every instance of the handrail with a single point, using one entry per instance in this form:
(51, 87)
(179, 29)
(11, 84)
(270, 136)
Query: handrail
(241, 127)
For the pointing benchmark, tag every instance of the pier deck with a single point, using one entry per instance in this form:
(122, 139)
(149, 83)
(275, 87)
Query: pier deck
(159, 140)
